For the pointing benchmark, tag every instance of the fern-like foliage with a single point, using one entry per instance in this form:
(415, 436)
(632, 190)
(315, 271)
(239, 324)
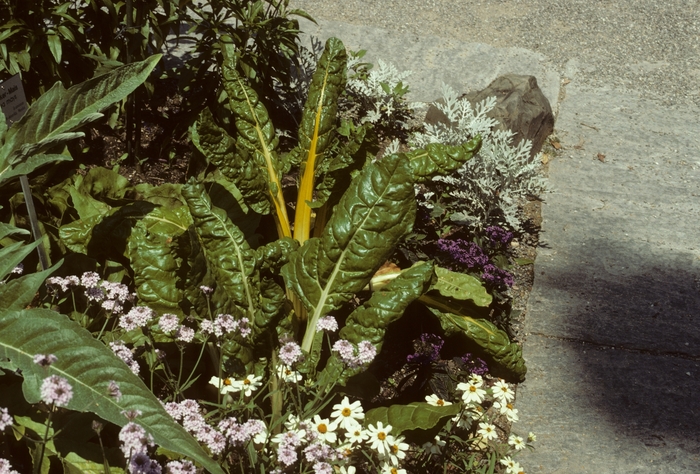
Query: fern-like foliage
(487, 189)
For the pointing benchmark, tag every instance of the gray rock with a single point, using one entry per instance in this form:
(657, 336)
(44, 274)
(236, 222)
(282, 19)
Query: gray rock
(520, 106)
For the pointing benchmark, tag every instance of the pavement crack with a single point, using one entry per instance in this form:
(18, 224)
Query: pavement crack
(620, 347)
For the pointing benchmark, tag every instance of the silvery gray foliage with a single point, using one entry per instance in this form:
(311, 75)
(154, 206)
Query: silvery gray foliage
(377, 95)
(488, 188)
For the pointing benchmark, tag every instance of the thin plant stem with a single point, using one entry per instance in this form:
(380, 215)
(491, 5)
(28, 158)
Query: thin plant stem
(37, 467)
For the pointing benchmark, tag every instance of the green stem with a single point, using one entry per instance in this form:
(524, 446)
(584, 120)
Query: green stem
(37, 467)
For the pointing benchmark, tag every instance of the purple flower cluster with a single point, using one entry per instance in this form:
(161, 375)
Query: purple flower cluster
(5, 419)
(140, 463)
(327, 323)
(475, 365)
(225, 324)
(44, 360)
(463, 252)
(134, 440)
(290, 353)
(496, 276)
(138, 316)
(111, 296)
(427, 349)
(180, 467)
(498, 236)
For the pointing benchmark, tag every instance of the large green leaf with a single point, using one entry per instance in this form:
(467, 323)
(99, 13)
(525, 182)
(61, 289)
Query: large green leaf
(413, 416)
(507, 355)
(219, 148)
(438, 159)
(152, 250)
(89, 366)
(256, 134)
(374, 214)
(228, 254)
(317, 127)
(55, 116)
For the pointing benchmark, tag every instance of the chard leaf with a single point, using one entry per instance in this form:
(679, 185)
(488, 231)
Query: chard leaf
(228, 255)
(418, 415)
(374, 214)
(272, 256)
(219, 148)
(55, 116)
(256, 134)
(317, 127)
(370, 321)
(89, 366)
(461, 287)
(437, 159)
(152, 250)
(507, 355)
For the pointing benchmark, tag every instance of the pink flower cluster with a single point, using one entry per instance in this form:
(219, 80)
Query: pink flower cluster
(180, 467)
(138, 316)
(56, 390)
(169, 323)
(111, 296)
(5, 419)
(366, 352)
(240, 433)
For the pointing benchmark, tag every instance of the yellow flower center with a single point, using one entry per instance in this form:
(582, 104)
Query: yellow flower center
(509, 406)
(346, 411)
(227, 381)
(394, 470)
(472, 388)
(440, 402)
(381, 435)
(394, 448)
(246, 382)
(322, 428)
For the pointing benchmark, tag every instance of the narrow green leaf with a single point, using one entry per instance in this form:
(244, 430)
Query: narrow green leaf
(256, 134)
(317, 127)
(6, 230)
(374, 214)
(19, 292)
(437, 159)
(35, 161)
(524, 261)
(54, 42)
(89, 366)
(51, 119)
(413, 416)
(507, 355)
(13, 254)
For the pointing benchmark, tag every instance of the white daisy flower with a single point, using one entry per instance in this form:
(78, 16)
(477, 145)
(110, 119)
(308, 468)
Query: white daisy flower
(324, 429)
(436, 401)
(487, 431)
(226, 385)
(378, 438)
(347, 414)
(503, 392)
(517, 442)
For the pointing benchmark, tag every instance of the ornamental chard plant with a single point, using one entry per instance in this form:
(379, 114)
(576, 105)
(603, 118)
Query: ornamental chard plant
(258, 307)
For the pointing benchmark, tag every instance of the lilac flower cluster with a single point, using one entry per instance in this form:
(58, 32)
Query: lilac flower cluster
(496, 276)
(134, 440)
(290, 353)
(137, 317)
(498, 236)
(327, 323)
(289, 442)
(44, 360)
(427, 349)
(180, 467)
(141, 463)
(111, 296)
(170, 323)
(56, 390)
(474, 365)
(124, 353)
(188, 412)
(463, 252)
(239, 434)
(6, 468)
(225, 324)
(366, 353)
(5, 419)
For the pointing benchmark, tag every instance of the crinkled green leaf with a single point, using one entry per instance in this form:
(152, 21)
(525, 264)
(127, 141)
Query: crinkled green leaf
(219, 148)
(413, 416)
(256, 134)
(461, 286)
(229, 256)
(318, 126)
(507, 355)
(55, 116)
(374, 214)
(77, 234)
(152, 250)
(272, 256)
(89, 366)
(438, 159)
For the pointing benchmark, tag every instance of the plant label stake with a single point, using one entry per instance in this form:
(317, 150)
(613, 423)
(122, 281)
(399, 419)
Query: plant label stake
(14, 105)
